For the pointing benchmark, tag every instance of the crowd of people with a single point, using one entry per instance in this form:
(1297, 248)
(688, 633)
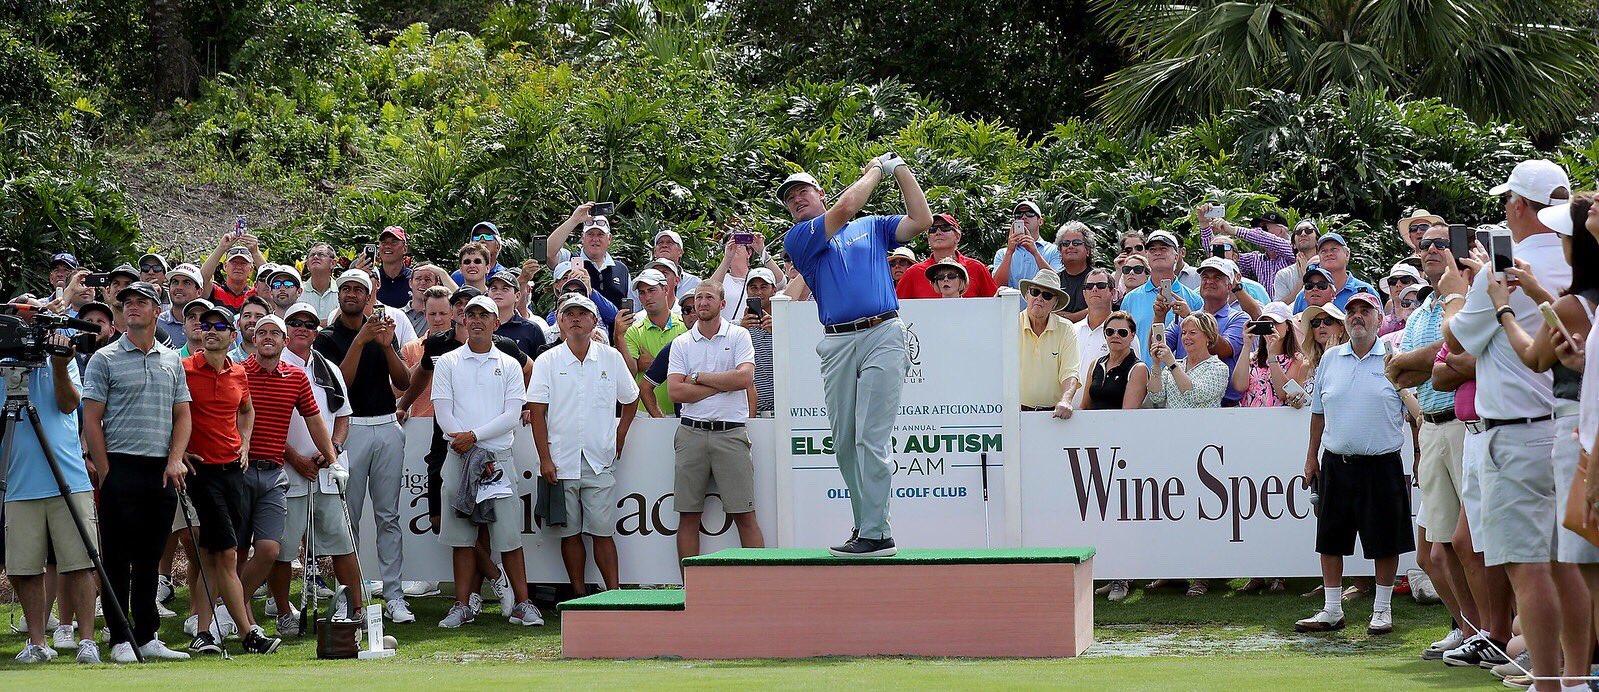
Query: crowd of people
(240, 396)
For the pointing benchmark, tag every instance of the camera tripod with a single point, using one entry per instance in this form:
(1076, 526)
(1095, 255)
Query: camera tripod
(18, 406)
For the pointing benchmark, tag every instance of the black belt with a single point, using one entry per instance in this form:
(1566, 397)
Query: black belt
(1439, 417)
(1491, 423)
(711, 425)
(265, 464)
(1360, 458)
(862, 323)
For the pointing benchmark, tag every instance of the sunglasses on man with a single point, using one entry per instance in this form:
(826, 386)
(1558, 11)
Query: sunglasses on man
(1091, 285)
(299, 323)
(284, 283)
(215, 326)
(1317, 285)
(152, 268)
(1308, 230)
(1025, 214)
(1430, 243)
(1074, 242)
(1419, 227)
(485, 237)
(1402, 281)
(473, 260)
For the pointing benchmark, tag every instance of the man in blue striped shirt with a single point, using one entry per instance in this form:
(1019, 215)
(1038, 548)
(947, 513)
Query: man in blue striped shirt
(1357, 422)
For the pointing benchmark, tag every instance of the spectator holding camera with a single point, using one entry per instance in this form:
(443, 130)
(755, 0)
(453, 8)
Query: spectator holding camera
(238, 254)
(943, 240)
(1269, 233)
(39, 523)
(1218, 277)
(738, 260)
(1163, 287)
(1271, 371)
(607, 275)
(761, 287)
(1024, 253)
(1199, 378)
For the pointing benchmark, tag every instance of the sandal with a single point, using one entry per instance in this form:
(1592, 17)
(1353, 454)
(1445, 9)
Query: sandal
(1198, 587)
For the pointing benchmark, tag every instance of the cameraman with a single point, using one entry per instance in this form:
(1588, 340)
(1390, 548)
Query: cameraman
(136, 426)
(38, 520)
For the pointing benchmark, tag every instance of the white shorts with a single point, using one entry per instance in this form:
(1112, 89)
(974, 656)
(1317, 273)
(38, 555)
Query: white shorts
(1475, 448)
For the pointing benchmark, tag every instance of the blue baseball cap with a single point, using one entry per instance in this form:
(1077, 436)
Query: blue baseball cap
(1334, 237)
(486, 225)
(66, 258)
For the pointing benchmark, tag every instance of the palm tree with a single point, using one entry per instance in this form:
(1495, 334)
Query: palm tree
(1531, 62)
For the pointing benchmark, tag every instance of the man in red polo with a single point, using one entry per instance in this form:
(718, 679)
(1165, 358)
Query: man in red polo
(222, 420)
(943, 238)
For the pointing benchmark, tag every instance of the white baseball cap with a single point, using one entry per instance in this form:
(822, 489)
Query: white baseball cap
(187, 270)
(1557, 218)
(664, 262)
(599, 222)
(668, 234)
(1400, 269)
(273, 319)
(578, 300)
(649, 277)
(1537, 180)
(1163, 236)
(761, 273)
(1277, 311)
(355, 276)
(801, 178)
(302, 309)
(1221, 264)
(483, 302)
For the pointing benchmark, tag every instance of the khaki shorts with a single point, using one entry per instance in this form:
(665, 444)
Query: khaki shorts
(332, 528)
(590, 504)
(177, 518)
(34, 527)
(456, 531)
(704, 456)
(1442, 448)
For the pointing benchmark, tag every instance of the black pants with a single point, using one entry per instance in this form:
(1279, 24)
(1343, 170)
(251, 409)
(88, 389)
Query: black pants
(435, 463)
(1364, 496)
(135, 520)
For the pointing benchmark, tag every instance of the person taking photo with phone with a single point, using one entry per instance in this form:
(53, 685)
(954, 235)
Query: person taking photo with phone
(760, 287)
(1024, 253)
(1163, 251)
(608, 275)
(743, 251)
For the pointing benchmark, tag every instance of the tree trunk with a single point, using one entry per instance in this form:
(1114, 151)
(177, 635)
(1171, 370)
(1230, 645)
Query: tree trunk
(174, 70)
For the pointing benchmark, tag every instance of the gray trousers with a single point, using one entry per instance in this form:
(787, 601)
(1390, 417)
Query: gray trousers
(862, 373)
(377, 462)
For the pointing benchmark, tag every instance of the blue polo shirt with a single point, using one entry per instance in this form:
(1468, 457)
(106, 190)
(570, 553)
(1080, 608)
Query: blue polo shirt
(1364, 414)
(394, 292)
(1424, 327)
(1230, 323)
(528, 336)
(1351, 287)
(1140, 303)
(848, 273)
(29, 477)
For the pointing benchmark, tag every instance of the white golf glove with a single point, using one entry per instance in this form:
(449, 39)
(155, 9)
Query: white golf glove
(340, 476)
(889, 162)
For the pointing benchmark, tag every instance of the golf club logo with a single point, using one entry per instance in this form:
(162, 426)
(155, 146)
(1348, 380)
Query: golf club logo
(913, 354)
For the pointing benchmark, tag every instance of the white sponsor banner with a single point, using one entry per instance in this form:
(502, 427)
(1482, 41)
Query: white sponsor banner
(959, 396)
(1185, 493)
(646, 521)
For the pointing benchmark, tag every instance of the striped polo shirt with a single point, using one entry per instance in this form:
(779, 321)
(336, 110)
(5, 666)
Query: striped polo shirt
(765, 390)
(1363, 412)
(138, 389)
(1425, 327)
(276, 394)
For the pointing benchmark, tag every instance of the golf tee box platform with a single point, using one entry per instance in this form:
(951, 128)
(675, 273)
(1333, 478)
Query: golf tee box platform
(798, 603)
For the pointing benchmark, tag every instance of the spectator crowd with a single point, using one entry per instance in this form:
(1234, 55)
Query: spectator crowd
(240, 397)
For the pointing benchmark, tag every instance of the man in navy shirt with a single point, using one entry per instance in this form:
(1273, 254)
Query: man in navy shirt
(863, 354)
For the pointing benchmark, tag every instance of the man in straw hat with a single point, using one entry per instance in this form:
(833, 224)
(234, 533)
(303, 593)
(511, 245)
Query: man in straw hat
(1049, 347)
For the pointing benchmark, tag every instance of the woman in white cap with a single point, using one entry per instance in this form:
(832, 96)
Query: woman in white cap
(1323, 327)
(1402, 276)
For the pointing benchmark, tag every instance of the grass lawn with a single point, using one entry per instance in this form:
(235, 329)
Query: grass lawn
(1150, 641)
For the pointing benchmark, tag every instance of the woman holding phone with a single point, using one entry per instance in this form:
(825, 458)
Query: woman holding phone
(1272, 373)
(1118, 380)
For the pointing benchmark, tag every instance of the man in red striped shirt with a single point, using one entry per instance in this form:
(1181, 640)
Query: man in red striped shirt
(277, 390)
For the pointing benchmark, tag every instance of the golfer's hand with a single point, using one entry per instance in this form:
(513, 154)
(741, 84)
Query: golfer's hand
(463, 442)
(547, 470)
(174, 476)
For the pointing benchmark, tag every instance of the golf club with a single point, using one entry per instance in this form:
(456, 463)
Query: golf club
(199, 561)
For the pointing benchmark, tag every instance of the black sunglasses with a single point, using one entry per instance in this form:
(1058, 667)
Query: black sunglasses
(1091, 285)
(1135, 269)
(1074, 242)
(152, 268)
(1430, 243)
(1323, 322)
(215, 326)
(1134, 248)
(899, 260)
(1317, 285)
(1039, 293)
(945, 276)
(1118, 331)
(1304, 231)
(1402, 281)
(473, 260)
(303, 324)
(1419, 227)
(1409, 303)
(1025, 215)
(940, 227)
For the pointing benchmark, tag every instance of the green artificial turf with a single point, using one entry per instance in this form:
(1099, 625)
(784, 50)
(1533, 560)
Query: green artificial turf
(909, 556)
(629, 599)
(1151, 641)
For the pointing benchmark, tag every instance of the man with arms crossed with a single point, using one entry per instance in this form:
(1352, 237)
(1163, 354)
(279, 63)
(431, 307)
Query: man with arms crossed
(709, 372)
(863, 354)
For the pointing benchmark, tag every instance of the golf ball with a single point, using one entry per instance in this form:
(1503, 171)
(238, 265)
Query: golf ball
(389, 642)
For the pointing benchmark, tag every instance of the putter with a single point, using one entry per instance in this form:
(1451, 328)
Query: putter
(341, 480)
(199, 561)
(987, 541)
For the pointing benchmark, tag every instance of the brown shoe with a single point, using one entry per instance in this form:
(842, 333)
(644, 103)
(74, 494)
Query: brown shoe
(1198, 587)
(1253, 585)
(1279, 585)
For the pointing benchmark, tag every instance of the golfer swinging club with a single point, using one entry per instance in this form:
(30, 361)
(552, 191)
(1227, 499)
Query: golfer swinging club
(863, 354)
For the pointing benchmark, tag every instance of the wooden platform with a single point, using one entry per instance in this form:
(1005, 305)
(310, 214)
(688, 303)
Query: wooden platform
(792, 603)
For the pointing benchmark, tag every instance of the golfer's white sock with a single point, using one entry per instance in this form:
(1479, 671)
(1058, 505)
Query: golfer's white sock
(1333, 600)
(1385, 598)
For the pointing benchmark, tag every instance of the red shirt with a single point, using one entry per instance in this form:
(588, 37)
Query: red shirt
(979, 283)
(276, 395)
(214, 409)
(222, 295)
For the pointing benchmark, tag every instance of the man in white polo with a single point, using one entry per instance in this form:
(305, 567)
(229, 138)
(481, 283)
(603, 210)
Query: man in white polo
(711, 369)
(578, 434)
(477, 401)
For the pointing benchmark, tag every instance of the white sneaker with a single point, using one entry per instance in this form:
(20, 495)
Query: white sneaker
(162, 611)
(33, 653)
(1437, 649)
(502, 588)
(62, 638)
(271, 608)
(1382, 622)
(398, 611)
(1421, 587)
(224, 626)
(342, 612)
(526, 614)
(373, 587)
(123, 653)
(164, 593)
(155, 648)
(458, 615)
(191, 626)
(419, 589)
(1118, 590)
(88, 652)
(1322, 621)
(261, 591)
(475, 602)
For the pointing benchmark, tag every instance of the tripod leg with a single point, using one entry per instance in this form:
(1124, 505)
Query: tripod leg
(120, 619)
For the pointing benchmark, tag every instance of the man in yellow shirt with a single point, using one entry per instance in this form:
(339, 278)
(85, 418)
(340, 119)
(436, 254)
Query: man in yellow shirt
(1049, 347)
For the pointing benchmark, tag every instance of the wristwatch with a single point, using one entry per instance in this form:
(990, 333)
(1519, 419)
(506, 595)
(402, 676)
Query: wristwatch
(694, 378)
(338, 447)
